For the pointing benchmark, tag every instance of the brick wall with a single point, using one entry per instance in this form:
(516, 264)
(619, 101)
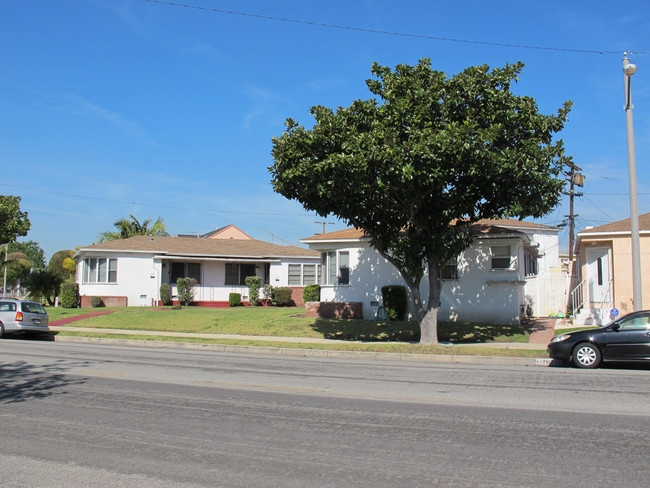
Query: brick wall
(334, 310)
(108, 301)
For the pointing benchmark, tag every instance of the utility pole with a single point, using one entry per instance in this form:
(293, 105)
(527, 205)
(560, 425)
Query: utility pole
(324, 224)
(575, 179)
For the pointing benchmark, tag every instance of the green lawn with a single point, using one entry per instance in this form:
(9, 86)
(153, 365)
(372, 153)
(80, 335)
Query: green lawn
(283, 322)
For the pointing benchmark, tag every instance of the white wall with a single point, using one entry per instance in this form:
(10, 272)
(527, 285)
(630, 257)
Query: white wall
(479, 294)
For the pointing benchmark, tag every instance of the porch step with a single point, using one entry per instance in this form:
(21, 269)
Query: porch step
(592, 316)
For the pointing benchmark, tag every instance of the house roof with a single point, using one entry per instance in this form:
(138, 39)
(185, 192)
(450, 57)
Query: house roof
(620, 226)
(484, 227)
(227, 232)
(193, 246)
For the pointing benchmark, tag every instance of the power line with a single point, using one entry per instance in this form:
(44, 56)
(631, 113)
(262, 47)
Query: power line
(389, 33)
(159, 205)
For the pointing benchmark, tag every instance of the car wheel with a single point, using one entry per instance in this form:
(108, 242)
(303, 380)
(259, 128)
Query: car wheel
(2, 330)
(586, 355)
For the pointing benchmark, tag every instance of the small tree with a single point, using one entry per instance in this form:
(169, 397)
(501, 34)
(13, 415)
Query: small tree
(185, 290)
(43, 284)
(254, 283)
(282, 296)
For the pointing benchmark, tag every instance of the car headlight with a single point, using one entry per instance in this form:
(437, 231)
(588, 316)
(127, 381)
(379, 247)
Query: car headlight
(560, 338)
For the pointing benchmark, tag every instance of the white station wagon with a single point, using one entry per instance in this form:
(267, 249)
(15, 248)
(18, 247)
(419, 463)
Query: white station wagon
(22, 316)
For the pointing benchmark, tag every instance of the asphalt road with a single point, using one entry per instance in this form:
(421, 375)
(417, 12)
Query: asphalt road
(90, 415)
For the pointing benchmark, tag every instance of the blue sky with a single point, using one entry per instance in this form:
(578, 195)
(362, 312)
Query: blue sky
(118, 107)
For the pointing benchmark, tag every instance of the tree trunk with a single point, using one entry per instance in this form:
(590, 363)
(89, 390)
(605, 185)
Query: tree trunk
(429, 327)
(429, 321)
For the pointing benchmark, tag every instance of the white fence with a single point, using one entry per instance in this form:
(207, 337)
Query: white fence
(548, 294)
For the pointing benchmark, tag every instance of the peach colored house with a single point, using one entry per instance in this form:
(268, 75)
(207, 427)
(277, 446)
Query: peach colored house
(604, 270)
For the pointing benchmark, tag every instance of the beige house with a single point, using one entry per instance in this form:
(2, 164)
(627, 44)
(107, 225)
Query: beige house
(604, 270)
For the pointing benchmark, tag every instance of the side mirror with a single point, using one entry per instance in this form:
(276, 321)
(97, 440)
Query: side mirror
(615, 327)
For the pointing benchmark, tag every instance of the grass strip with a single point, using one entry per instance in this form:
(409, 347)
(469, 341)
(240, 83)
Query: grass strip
(363, 347)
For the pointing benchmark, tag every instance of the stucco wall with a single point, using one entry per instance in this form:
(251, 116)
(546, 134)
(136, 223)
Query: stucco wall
(479, 294)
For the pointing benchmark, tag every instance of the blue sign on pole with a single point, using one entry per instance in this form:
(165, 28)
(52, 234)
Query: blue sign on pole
(614, 312)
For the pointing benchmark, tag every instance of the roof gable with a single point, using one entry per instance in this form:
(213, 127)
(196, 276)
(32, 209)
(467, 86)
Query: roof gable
(619, 226)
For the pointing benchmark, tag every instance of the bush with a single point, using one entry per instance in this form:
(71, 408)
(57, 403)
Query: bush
(254, 283)
(311, 293)
(165, 294)
(268, 292)
(395, 301)
(69, 295)
(282, 296)
(176, 307)
(185, 290)
(96, 302)
(234, 299)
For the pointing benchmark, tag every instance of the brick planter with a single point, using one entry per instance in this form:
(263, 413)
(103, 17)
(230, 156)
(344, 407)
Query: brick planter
(334, 310)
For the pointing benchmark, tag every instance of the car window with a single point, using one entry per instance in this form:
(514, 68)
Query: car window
(32, 307)
(637, 322)
(7, 307)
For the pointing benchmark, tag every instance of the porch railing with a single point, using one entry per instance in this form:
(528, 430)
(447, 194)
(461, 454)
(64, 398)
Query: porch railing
(577, 298)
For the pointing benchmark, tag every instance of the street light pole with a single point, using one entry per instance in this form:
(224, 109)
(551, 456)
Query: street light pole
(628, 70)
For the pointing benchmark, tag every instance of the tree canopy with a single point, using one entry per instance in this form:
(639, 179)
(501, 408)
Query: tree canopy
(131, 227)
(13, 222)
(415, 166)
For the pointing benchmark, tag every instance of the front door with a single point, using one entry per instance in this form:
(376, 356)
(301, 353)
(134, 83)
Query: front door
(599, 274)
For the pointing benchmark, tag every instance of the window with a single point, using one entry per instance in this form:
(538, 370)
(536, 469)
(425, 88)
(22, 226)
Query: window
(337, 268)
(236, 273)
(634, 323)
(501, 257)
(294, 274)
(185, 270)
(302, 274)
(530, 265)
(100, 270)
(449, 270)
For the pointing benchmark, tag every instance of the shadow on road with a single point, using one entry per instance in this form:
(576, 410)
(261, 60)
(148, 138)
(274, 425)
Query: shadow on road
(20, 381)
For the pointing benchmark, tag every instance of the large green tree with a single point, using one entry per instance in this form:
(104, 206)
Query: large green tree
(131, 227)
(13, 222)
(418, 164)
(58, 267)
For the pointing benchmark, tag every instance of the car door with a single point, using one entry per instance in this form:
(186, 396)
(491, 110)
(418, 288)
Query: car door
(628, 338)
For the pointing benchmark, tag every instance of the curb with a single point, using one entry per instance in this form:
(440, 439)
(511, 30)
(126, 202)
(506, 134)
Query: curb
(313, 353)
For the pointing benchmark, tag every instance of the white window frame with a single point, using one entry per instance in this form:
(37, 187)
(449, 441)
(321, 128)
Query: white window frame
(298, 274)
(334, 268)
(501, 257)
(99, 270)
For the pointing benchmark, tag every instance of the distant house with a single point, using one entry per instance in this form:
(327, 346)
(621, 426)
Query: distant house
(604, 269)
(130, 271)
(512, 267)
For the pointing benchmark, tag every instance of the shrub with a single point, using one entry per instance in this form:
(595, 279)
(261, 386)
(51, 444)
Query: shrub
(311, 293)
(282, 296)
(165, 294)
(69, 295)
(268, 292)
(234, 299)
(395, 301)
(96, 302)
(176, 307)
(185, 290)
(254, 283)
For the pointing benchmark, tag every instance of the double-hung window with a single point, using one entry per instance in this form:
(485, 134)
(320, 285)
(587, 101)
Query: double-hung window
(449, 270)
(302, 274)
(185, 270)
(336, 266)
(236, 273)
(100, 270)
(501, 258)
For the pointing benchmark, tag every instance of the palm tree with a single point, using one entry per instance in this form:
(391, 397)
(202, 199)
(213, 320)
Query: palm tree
(132, 227)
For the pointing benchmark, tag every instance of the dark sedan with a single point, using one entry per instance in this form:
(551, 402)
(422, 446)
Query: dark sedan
(625, 339)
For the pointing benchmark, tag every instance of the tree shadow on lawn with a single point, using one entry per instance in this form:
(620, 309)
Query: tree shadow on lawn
(409, 331)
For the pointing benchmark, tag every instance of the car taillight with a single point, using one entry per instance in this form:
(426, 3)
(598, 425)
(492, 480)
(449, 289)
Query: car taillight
(19, 317)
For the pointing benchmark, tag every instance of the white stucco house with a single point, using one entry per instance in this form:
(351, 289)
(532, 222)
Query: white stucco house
(129, 272)
(511, 266)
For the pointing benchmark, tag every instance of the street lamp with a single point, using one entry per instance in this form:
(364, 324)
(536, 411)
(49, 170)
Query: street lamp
(628, 70)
